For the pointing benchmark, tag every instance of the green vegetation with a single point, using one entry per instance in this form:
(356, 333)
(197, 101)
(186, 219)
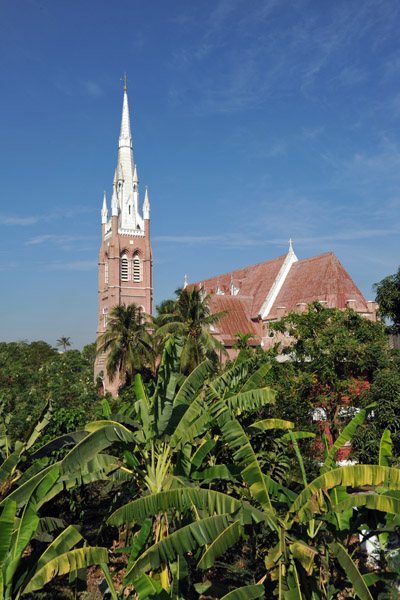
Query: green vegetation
(202, 480)
(388, 298)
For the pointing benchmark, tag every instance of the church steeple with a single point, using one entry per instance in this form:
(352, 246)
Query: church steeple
(125, 136)
(125, 257)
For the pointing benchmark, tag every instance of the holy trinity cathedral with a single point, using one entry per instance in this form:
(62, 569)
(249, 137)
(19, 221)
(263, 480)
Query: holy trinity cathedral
(125, 258)
(254, 296)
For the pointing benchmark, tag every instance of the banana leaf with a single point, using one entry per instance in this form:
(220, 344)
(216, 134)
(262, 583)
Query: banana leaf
(193, 383)
(226, 539)
(8, 466)
(64, 542)
(385, 449)
(139, 542)
(267, 424)
(384, 503)
(347, 435)
(35, 468)
(186, 539)
(251, 399)
(94, 470)
(298, 435)
(349, 476)
(27, 526)
(41, 423)
(108, 579)
(6, 528)
(182, 499)
(65, 563)
(49, 524)
(68, 439)
(278, 491)
(61, 544)
(22, 493)
(167, 382)
(148, 589)
(305, 554)
(247, 592)
(202, 452)
(254, 381)
(236, 375)
(180, 577)
(244, 454)
(217, 472)
(353, 574)
(102, 434)
(192, 424)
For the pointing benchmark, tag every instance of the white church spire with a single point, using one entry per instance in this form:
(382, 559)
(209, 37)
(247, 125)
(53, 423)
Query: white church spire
(126, 180)
(146, 205)
(104, 210)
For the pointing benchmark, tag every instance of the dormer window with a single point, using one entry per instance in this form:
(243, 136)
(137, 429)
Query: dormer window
(234, 290)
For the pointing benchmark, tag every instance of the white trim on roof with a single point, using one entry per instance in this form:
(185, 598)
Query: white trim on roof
(278, 283)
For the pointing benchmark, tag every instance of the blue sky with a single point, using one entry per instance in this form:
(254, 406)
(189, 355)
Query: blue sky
(252, 121)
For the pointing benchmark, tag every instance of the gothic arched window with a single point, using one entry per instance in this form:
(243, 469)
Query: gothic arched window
(137, 269)
(124, 268)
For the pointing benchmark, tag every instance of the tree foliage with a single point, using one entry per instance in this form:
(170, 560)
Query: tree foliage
(191, 321)
(388, 298)
(333, 351)
(127, 342)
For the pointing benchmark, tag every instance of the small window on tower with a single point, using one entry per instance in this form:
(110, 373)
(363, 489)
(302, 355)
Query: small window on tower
(106, 273)
(124, 268)
(137, 269)
(129, 209)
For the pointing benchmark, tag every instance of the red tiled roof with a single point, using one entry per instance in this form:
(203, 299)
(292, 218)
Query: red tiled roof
(321, 277)
(238, 319)
(253, 282)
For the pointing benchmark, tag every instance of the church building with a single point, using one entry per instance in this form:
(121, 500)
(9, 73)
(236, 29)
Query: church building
(260, 294)
(253, 296)
(125, 258)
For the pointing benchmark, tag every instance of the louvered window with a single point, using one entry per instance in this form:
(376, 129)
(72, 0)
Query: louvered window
(124, 269)
(106, 273)
(137, 269)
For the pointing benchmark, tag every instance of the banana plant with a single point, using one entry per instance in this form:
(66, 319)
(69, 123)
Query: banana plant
(308, 536)
(207, 518)
(21, 569)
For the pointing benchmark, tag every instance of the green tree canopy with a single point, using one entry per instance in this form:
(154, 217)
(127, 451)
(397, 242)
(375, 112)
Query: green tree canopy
(191, 320)
(388, 298)
(63, 342)
(127, 341)
(331, 350)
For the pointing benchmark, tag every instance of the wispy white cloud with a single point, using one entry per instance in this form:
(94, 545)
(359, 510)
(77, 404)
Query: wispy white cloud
(54, 238)
(272, 58)
(23, 221)
(189, 239)
(79, 265)
(58, 213)
(93, 88)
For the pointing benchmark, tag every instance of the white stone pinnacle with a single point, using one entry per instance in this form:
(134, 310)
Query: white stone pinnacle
(104, 210)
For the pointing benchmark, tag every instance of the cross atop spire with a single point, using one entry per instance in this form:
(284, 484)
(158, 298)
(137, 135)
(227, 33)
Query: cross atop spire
(125, 80)
(290, 244)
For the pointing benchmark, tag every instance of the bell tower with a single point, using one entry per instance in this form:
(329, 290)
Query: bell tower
(125, 258)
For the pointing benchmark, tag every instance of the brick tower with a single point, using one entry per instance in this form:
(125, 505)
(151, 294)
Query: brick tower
(125, 258)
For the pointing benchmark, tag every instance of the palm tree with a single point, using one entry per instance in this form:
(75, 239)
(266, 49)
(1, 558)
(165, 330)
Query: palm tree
(63, 342)
(192, 320)
(127, 341)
